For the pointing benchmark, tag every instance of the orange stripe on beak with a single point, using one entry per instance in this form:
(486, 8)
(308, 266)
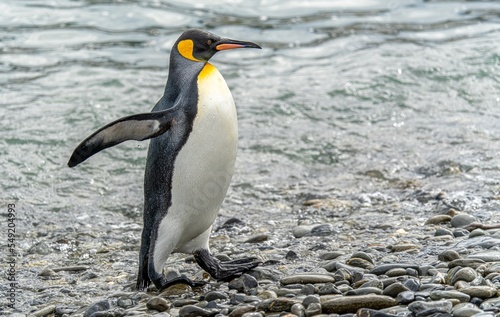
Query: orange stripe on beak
(222, 47)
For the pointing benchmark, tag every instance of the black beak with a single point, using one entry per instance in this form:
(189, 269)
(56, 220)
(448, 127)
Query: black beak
(227, 44)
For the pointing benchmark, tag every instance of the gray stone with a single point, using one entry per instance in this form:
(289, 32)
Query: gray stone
(368, 312)
(448, 255)
(460, 232)
(383, 268)
(214, 295)
(239, 311)
(465, 310)
(473, 263)
(487, 256)
(330, 255)
(485, 242)
(479, 291)
(405, 297)
(298, 309)
(396, 272)
(437, 219)
(244, 284)
(364, 291)
(97, 307)
(195, 311)
(184, 301)
(125, 302)
(328, 288)
(306, 279)
(351, 304)
(477, 233)
(464, 274)
(492, 303)
(394, 289)
(359, 262)
(310, 299)
(313, 230)
(47, 310)
(277, 305)
(363, 255)
(257, 238)
(412, 284)
(158, 303)
(462, 220)
(443, 232)
(436, 306)
(437, 295)
(254, 314)
(373, 283)
(313, 309)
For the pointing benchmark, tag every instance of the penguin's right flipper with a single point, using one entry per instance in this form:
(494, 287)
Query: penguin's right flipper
(136, 127)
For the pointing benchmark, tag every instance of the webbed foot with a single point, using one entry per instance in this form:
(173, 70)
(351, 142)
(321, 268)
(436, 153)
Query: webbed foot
(227, 270)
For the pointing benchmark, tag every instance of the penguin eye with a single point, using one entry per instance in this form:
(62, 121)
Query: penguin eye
(209, 42)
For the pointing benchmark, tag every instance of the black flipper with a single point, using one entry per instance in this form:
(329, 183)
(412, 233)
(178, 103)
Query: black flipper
(136, 127)
(224, 271)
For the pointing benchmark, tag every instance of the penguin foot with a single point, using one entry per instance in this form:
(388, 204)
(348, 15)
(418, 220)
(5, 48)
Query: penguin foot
(163, 283)
(227, 270)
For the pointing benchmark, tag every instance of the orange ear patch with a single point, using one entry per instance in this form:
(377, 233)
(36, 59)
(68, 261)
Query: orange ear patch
(185, 48)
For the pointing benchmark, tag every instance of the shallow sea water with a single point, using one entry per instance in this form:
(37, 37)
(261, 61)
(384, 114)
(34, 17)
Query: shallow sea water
(347, 99)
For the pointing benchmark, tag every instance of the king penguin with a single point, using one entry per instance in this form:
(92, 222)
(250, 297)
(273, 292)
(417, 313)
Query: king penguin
(194, 133)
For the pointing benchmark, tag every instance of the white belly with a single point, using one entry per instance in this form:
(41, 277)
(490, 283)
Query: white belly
(204, 166)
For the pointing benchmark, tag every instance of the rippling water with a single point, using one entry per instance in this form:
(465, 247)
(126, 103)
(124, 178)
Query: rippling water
(345, 97)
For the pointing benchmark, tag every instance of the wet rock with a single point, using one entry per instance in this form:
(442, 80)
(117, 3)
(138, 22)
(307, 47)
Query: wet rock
(364, 291)
(298, 310)
(359, 262)
(472, 263)
(48, 273)
(442, 232)
(396, 272)
(308, 289)
(351, 304)
(257, 238)
(491, 304)
(97, 307)
(253, 314)
(239, 311)
(125, 302)
(214, 295)
(313, 230)
(465, 310)
(267, 294)
(291, 256)
(367, 312)
(373, 283)
(448, 255)
(486, 256)
(183, 302)
(277, 305)
(477, 233)
(420, 307)
(405, 297)
(307, 279)
(394, 289)
(404, 247)
(383, 268)
(41, 248)
(460, 232)
(244, 284)
(195, 311)
(485, 242)
(480, 291)
(310, 299)
(44, 311)
(435, 220)
(158, 303)
(439, 294)
(73, 268)
(177, 289)
(331, 255)
(412, 284)
(231, 223)
(328, 288)
(463, 274)
(313, 309)
(462, 220)
(364, 256)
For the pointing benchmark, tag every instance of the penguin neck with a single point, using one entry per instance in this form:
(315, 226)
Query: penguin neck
(182, 75)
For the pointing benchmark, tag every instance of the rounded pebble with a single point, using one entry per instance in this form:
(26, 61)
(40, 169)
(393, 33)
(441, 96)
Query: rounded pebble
(351, 304)
(158, 303)
(307, 278)
(462, 220)
(394, 289)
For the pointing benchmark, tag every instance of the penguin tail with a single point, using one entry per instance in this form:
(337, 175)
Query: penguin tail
(137, 127)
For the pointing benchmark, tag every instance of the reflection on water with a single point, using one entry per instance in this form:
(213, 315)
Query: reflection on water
(340, 88)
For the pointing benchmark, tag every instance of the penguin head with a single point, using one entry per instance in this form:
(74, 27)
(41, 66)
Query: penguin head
(199, 46)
